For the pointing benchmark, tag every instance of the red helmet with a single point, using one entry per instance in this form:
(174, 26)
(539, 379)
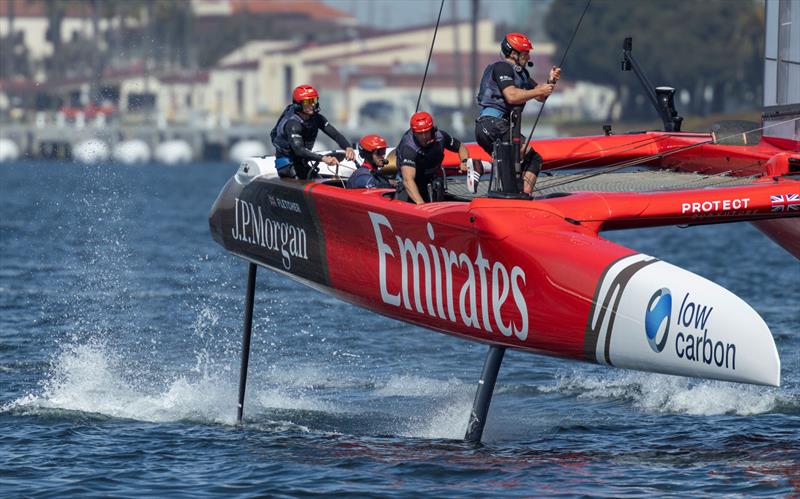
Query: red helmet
(421, 122)
(515, 41)
(371, 142)
(368, 145)
(304, 92)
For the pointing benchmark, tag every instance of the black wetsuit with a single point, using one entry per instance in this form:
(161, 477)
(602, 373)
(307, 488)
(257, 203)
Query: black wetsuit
(293, 138)
(426, 160)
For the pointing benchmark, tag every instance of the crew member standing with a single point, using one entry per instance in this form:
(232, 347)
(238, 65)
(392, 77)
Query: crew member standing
(294, 135)
(506, 84)
(419, 157)
(372, 149)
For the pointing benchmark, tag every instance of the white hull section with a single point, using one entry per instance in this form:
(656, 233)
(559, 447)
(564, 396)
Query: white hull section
(661, 318)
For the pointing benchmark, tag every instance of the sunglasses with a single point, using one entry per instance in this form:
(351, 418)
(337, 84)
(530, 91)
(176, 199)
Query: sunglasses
(310, 101)
(379, 152)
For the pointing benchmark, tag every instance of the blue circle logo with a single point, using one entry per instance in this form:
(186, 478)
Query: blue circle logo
(657, 318)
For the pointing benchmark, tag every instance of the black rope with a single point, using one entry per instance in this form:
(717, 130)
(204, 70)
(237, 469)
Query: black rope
(427, 64)
(563, 56)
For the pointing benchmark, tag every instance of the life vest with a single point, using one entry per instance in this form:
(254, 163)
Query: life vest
(428, 160)
(365, 177)
(489, 93)
(280, 140)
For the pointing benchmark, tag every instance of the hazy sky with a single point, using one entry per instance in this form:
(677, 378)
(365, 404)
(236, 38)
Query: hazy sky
(399, 13)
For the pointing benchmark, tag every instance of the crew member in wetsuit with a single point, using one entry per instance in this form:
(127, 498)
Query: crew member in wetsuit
(372, 149)
(419, 157)
(504, 85)
(296, 132)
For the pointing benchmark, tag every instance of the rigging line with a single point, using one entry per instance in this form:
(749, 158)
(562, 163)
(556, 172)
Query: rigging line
(617, 166)
(430, 54)
(614, 167)
(731, 171)
(664, 136)
(727, 175)
(653, 139)
(589, 160)
(623, 165)
(563, 57)
(644, 159)
(608, 169)
(718, 140)
(727, 179)
(723, 174)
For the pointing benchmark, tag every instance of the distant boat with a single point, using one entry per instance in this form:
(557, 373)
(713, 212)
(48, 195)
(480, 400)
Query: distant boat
(8, 150)
(132, 151)
(91, 151)
(173, 152)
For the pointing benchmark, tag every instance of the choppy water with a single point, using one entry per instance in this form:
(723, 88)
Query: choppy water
(119, 357)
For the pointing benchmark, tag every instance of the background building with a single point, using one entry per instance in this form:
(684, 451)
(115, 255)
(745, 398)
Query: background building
(214, 72)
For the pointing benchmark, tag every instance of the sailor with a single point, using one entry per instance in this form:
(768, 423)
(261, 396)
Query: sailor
(372, 149)
(504, 85)
(294, 135)
(419, 157)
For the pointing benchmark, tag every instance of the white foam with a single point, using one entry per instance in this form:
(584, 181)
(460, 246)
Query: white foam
(448, 421)
(449, 414)
(91, 378)
(671, 394)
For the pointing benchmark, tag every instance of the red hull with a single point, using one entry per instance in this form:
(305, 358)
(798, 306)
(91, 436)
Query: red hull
(530, 275)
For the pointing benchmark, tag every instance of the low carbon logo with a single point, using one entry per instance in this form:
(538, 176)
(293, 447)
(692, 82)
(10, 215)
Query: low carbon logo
(657, 319)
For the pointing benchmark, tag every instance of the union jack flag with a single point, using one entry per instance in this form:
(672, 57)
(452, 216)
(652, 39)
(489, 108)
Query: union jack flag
(785, 202)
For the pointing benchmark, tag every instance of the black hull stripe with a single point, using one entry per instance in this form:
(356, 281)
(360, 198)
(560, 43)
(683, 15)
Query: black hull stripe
(591, 334)
(621, 280)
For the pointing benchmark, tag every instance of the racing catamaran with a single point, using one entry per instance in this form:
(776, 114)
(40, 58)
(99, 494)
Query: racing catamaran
(536, 274)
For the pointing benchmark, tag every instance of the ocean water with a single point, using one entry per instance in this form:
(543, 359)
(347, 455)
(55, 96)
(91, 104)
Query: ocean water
(120, 331)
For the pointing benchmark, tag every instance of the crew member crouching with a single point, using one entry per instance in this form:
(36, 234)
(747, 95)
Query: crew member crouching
(419, 157)
(372, 149)
(294, 135)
